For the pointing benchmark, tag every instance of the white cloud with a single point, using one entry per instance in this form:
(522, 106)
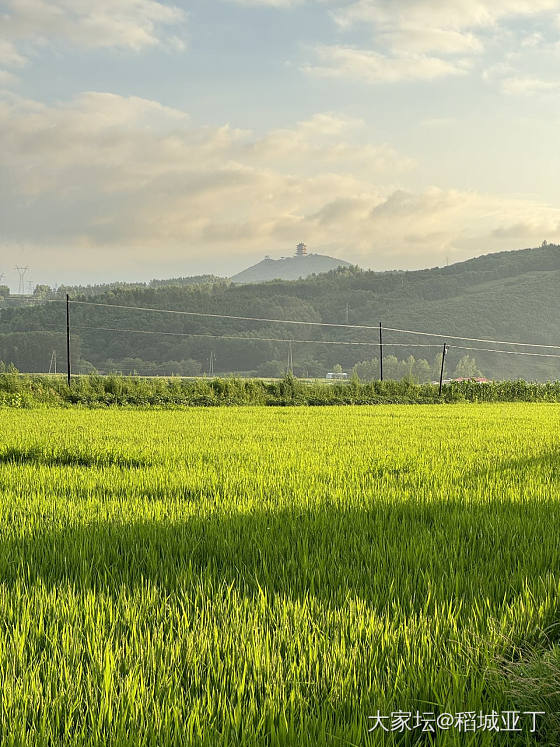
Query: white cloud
(532, 40)
(418, 40)
(9, 58)
(128, 24)
(422, 39)
(103, 169)
(513, 81)
(432, 223)
(451, 14)
(9, 55)
(373, 67)
(105, 178)
(7, 78)
(527, 230)
(526, 84)
(327, 139)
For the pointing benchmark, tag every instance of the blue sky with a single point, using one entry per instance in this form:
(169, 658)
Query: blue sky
(147, 139)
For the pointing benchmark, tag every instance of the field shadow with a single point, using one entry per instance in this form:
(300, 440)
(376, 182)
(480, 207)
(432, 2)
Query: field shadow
(545, 464)
(36, 455)
(388, 555)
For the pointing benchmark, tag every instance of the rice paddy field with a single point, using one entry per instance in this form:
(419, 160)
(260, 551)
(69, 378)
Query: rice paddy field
(275, 576)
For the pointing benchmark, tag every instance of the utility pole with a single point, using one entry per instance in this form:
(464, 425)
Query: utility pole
(290, 358)
(211, 363)
(52, 366)
(347, 313)
(69, 371)
(381, 351)
(442, 365)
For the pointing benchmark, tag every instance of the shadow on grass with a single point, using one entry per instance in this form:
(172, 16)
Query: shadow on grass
(68, 458)
(400, 554)
(545, 465)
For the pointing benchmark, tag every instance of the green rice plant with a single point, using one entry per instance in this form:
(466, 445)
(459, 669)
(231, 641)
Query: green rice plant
(271, 575)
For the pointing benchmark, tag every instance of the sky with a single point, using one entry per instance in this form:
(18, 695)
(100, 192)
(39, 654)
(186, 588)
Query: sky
(143, 139)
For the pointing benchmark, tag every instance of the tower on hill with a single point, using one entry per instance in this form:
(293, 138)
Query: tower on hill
(301, 265)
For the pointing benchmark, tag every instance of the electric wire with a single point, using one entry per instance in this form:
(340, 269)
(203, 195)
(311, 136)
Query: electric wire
(258, 339)
(316, 324)
(315, 342)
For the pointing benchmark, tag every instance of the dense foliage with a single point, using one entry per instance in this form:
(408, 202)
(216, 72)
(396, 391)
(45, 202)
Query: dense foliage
(18, 390)
(508, 295)
(272, 576)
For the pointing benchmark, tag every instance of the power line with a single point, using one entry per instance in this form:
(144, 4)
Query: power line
(472, 339)
(219, 316)
(310, 342)
(314, 342)
(315, 324)
(507, 352)
(250, 339)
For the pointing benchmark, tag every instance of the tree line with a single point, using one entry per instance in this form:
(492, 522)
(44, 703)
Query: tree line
(509, 295)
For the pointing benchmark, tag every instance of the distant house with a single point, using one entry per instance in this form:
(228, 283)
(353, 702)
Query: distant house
(336, 375)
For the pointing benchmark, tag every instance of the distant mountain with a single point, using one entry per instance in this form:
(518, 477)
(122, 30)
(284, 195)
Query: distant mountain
(288, 268)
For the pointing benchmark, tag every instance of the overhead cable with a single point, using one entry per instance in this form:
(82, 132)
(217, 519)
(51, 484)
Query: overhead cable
(250, 339)
(314, 342)
(318, 324)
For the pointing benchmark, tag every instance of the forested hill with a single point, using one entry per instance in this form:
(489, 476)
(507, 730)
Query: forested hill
(288, 268)
(504, 296)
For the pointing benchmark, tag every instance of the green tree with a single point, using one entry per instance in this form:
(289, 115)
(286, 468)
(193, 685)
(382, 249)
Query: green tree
(391, 369)
(422, 371)
(466, 368)
(42, 291)
(367, 370)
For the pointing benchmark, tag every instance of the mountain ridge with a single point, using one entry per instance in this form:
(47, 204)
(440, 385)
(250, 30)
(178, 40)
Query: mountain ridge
(288, 268)
(502, 296)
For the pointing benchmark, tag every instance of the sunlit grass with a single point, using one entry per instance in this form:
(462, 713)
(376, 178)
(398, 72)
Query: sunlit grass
(269, 576)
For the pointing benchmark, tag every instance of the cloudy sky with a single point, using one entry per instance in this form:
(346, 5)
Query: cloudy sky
(144, 139)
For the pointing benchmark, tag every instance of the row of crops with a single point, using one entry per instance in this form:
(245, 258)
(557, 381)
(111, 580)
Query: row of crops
(276, 576)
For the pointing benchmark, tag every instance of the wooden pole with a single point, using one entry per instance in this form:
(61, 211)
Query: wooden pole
(69, 371)
(442, 365)
(380, 351)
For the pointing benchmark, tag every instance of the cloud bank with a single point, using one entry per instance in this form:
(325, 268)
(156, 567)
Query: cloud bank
(105, 178)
